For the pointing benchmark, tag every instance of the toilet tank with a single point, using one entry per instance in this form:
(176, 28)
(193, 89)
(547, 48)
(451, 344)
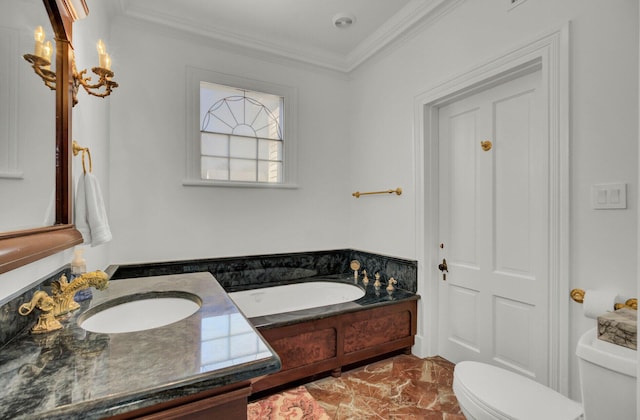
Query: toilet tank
(607, 378)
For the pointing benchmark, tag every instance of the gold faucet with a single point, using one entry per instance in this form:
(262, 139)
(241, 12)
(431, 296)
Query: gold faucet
(63, 291)
(46, 321)
(62, 300)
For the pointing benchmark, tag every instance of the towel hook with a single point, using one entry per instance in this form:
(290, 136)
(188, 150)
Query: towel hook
(77, 149)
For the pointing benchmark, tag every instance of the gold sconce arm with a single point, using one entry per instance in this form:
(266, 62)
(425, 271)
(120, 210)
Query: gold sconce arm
(41, 67)
(104, 81)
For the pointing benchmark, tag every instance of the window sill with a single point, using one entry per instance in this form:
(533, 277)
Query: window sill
(236, 184)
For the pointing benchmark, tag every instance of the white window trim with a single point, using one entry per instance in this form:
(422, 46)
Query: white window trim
(290, 94)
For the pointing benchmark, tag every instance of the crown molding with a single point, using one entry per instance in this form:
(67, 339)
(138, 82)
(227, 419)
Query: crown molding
(412, 14)
(416, 13)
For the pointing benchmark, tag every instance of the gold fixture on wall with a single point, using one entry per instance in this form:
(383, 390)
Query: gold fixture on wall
(578, 296)
(85, 150)
(398, 191)
(41, 63)
(486, 145)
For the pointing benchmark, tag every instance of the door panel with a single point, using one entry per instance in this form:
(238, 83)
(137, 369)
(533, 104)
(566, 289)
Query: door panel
(463, 330)
(494, 225)
(512, 189)
(463, 187)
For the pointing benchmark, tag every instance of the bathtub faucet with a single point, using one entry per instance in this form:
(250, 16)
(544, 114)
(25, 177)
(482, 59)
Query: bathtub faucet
(355, 266)
(390, 287)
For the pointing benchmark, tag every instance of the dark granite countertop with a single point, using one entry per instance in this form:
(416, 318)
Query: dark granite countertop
(74, 373)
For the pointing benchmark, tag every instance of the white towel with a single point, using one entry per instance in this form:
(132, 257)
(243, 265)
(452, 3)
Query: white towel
(90, 214)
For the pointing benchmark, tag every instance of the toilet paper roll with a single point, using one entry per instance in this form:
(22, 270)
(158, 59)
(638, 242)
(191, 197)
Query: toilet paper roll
(598, 302)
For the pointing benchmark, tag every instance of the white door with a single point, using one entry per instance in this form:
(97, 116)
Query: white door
(494, 224)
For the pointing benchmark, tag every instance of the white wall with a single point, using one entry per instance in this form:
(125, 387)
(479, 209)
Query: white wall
(604, 123)
(91, 114)
(154, 217)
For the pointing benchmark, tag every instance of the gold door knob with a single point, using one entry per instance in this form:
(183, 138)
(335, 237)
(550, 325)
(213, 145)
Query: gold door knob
(486, 145)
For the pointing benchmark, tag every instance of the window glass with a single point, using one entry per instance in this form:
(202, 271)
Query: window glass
(215, 168)
(242, 170)
(214, 144)
(243, 147)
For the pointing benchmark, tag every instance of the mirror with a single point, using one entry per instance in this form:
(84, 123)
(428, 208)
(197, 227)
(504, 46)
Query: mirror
(27, 122)
(20, 247)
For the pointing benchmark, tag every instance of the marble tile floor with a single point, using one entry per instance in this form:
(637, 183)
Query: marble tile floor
(402, 387)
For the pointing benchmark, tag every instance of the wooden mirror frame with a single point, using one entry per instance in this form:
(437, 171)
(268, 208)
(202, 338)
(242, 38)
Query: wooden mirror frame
(18, 248)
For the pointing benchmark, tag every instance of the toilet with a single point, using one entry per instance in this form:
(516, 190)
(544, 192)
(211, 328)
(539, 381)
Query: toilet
(607, 381)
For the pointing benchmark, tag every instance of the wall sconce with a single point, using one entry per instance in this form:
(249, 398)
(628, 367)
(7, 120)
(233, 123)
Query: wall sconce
(41, 63)
(41, 59)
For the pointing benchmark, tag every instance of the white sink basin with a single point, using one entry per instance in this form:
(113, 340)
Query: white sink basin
(140, 312)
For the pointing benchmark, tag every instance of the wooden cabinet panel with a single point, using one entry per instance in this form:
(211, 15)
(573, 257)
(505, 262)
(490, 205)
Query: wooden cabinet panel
(311, 347)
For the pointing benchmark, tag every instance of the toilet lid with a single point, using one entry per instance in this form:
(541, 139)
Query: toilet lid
(507, 395)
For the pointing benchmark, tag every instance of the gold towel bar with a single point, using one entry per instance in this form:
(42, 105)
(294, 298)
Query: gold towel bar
(77, 149)
(578, 296)
(398, 191)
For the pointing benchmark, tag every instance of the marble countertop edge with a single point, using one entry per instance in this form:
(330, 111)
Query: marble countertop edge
(115, 405)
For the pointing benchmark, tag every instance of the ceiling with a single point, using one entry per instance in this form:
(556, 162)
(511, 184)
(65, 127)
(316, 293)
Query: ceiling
(298, 29)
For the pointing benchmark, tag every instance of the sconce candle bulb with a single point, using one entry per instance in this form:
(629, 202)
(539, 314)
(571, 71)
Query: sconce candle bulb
(38, 35)
(102, 55)
(100, 47)
(47, 51)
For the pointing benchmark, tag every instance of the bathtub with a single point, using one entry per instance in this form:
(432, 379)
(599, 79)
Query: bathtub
(319, 326)
(294, 297)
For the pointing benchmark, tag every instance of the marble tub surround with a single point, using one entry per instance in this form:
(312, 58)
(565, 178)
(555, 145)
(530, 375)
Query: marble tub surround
(619, 327)
(244, 272)
(405, 272)
(74, 373)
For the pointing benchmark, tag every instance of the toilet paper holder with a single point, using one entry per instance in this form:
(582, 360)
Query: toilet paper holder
(578, 296)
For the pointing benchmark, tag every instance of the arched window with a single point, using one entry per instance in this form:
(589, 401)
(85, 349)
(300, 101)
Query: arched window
(241, 135)
(240, 132)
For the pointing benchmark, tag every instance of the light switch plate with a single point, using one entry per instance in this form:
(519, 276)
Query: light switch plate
(609, 196)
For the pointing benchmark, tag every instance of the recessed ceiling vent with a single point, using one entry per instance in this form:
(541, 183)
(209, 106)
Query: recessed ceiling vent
(343, 20)
(513, 3)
